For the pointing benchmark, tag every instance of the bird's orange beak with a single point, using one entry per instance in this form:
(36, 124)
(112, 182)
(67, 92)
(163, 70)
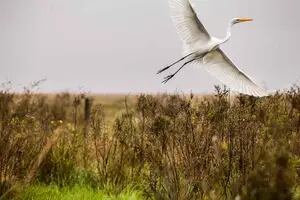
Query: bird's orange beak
(245, 19)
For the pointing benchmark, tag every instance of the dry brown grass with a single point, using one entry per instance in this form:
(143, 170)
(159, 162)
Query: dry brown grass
(170, 146)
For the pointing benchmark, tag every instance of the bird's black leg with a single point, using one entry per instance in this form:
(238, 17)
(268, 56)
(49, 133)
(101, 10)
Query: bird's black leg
(164, 69)
(167, 78)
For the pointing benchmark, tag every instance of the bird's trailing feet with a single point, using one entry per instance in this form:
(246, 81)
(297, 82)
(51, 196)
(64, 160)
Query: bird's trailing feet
(167, 78)
(181, 59)
(164, 69)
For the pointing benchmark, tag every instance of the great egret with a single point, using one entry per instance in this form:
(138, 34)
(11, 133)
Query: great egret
(201, 49)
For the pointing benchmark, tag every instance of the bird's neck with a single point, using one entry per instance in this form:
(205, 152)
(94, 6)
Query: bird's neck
(228, 35)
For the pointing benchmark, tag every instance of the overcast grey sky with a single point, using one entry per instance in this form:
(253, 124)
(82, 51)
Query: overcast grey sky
(118, 45)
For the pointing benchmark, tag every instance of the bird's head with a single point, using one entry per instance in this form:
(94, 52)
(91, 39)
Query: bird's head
(240, 20)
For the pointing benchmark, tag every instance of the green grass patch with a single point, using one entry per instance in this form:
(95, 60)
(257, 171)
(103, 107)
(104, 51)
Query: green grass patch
(53, 192)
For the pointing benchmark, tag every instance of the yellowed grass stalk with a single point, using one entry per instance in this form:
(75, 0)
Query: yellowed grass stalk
(35, 166)
(50, 142)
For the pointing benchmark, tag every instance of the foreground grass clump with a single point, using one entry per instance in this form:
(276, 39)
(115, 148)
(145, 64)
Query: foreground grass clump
(172, 147)
(53, 192)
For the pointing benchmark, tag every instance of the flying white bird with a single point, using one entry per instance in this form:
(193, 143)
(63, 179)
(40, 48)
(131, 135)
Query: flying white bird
(202, 49)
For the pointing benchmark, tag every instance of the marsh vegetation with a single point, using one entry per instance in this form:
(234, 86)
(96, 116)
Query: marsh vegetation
(150, 147)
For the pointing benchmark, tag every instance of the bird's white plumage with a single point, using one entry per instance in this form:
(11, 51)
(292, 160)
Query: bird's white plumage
(189, 28)
(220, 66)
(196, 38)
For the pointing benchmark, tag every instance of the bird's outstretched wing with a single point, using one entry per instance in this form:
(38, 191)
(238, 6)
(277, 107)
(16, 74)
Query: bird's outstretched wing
(188, 26)
(221, 67)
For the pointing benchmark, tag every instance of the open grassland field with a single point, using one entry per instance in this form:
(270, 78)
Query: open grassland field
(173, 147)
